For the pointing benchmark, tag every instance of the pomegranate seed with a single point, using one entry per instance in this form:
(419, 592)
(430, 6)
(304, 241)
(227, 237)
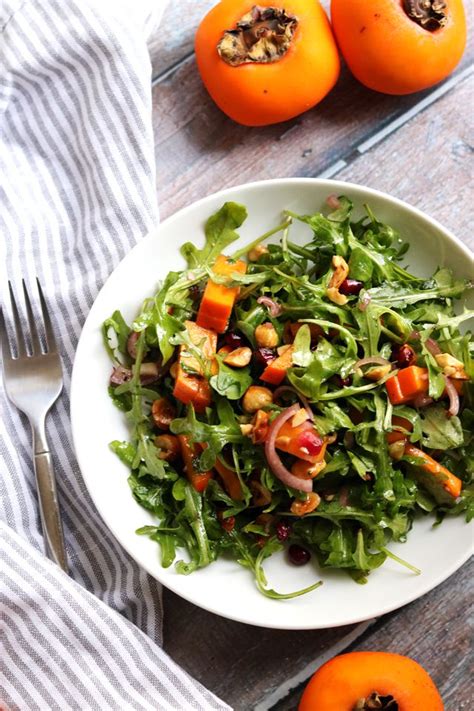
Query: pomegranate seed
(264, 356)
(343, 382)
(226, 523)
(298, 555)
(232, 339)
(350, 287)
(194, 292)
(283, 530)
(404, 355)
(310, 441)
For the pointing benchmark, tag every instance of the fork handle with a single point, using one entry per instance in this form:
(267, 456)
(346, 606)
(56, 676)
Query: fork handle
(49, 509)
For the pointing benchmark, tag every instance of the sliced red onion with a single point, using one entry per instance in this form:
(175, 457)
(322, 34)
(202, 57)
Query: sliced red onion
(432, 346)
(333, 202)
(422, 400)
(453, 408)
(371, 360)
(304, 402)
(120, 375)
(414, 336)
(364, 301)
(132, 344)
(149, 372)
(274, 309)
(274, 461)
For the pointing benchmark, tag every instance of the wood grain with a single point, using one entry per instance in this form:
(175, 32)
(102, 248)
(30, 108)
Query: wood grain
(429, 162)
(175, 38)
(437, 632)
(240, 663)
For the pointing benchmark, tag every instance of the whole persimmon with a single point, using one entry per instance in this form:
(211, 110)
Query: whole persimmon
(267, 62)
(360, 681)
(400, 46)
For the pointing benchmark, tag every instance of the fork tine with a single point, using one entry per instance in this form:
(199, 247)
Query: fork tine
(4, 344)
(48, 326)
(35, 341)
(20, 338)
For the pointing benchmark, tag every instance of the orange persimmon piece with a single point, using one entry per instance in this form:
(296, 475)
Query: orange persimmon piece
(218, 300)
(449, 481)
(301, 441)
(190, 388)
(205, 341)
(356, 676)
(407, 384)
(198, 480)
(230, 480)
(396, 435)
(275, 371)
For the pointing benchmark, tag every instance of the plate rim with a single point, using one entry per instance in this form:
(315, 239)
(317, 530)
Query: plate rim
(153, 234)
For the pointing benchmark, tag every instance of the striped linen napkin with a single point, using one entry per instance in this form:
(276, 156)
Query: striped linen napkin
(77, 186)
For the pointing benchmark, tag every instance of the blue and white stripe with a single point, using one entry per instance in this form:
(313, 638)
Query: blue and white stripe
(77, 187)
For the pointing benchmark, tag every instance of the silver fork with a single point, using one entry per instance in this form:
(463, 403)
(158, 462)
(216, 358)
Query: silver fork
(33, 382)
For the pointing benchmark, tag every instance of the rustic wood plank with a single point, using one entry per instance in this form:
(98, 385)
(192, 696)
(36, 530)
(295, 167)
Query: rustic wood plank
(240, 663)
(429, 162)
(175, 38)
(436, 631)
(199, 150)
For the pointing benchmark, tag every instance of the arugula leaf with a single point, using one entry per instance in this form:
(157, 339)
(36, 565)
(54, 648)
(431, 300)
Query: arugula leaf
(363, 560)
(302, 347)
(121, 331)
(216, 435)
(230, 382)
(125, 451)
(440, 431)
(398, 295)
(150, 496)
(220, 232)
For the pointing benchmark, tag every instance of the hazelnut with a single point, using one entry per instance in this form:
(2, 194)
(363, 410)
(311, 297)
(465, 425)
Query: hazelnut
(168, 446)
(266, 336)
(300, 508)
(341, 270)
(336, 297)
(452, 367)
(239, 357)
(256, 397)
(256, 252)
(380, 371)
(260, 427)
(307, 470)
(299, 417)
(163, 413)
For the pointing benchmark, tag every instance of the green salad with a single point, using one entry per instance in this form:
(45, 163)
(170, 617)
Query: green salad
(315, 397)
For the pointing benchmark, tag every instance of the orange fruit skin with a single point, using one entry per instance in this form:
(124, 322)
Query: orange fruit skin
(341, 682)
(258, 94)
(389, 52)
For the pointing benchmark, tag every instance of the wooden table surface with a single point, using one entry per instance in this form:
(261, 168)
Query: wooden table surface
(418, 148)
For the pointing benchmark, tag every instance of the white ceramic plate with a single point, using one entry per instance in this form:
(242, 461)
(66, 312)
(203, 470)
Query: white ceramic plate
(224, 587)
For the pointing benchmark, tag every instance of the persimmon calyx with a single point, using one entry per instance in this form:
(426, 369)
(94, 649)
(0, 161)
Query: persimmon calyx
(429, 14)
(376, 702)
(262, 35)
